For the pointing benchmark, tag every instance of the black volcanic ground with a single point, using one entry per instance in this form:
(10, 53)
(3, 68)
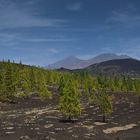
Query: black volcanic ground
(33, 119)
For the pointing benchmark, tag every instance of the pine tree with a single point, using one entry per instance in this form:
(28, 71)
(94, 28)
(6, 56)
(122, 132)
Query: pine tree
(104, 103)
(1, 86)
(42, 89)
(32, 79)
(24, 83)
(102, 82)
(50, 79)
(137, 88)
(124, 86)
(92, 95)
(130, 86)
(117, 83)
(62, 83)
(88, 83)
(69, 102)
(90, 89)
(10, 88)
(20, 62)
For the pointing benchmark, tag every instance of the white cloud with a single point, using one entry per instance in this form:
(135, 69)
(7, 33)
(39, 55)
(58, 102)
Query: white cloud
(75, 6)
(8, 39)
(47, 40)
(12, 15)
(12, 39)
(126, 18)
(52, 50)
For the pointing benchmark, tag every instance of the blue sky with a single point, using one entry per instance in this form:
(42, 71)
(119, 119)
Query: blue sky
(41, 32)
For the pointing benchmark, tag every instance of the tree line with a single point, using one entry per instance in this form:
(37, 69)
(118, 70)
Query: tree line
(22, 80)
(18, 80)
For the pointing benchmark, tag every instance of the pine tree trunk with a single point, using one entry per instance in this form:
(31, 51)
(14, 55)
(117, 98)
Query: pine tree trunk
(104, 118)
(69, 118)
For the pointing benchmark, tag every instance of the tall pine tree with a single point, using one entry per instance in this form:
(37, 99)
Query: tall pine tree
(104, 103)
(1, 85)
(41, 86)
(69, 102)
(10, 85)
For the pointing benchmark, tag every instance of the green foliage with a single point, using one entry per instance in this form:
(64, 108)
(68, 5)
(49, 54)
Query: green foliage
(104, 103)
(90, 88)
(62, 84)
(92, 96)
(42, 89)
(69, 102)
(1, 85)
(23, 83)
(21, 95)
(9, 83)
(32, 79)
(26, 80)
(22, 80)
(137, 85)
(102, 82)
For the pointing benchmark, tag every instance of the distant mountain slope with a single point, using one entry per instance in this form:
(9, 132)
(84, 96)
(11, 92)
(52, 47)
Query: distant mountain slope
(73, 62)
(123, 66)
(106, 57)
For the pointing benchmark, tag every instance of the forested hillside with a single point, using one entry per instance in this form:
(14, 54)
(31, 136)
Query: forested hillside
(23, 80)
(64, 96)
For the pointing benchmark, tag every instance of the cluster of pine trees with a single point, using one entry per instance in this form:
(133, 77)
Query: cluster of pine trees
(96, 90)
(22, 80)
(69, 96)
(18, 80)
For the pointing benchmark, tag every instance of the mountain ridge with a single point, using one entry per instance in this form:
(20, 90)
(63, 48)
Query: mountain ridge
(128, 66)
(73, 62)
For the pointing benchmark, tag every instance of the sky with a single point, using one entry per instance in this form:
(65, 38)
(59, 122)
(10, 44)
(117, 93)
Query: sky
(41, 32)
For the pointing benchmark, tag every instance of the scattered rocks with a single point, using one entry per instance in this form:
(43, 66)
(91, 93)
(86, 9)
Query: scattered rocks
(69, 128)
(10, 132)
(89, 135)
(48, 126)
(42, 121)
(88, 127)
(38, 133)
(119, 128)
(42, 111)
(70, 131)
(25, 137)
(50, 138)
(37, 128)
(59, 129)
(88, 119)
(8, 128)
(99, 123)
(51, 117)
(52, 133)
(12, 115)
(75, 136)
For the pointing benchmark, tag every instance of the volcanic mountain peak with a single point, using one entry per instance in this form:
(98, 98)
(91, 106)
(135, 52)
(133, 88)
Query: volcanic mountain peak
(72, 62)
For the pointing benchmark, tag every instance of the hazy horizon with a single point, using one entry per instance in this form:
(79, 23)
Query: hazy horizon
(78, 57)
(41, 32)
